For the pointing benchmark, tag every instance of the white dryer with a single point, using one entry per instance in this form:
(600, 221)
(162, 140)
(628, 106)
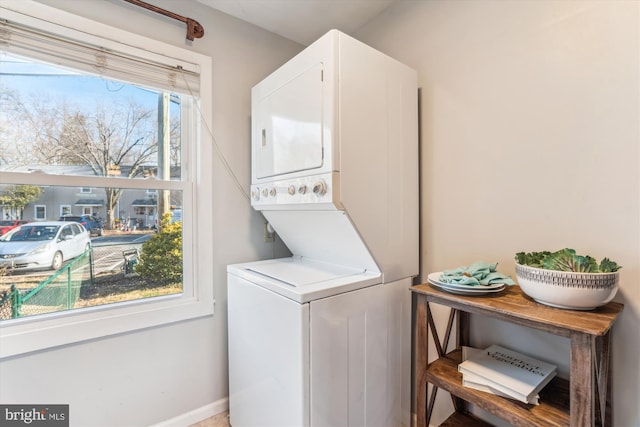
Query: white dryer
(322, 338)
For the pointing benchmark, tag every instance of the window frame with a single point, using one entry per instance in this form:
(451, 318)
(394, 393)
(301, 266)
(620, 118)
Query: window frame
(62, 208)
(36, 208)
(24, 335)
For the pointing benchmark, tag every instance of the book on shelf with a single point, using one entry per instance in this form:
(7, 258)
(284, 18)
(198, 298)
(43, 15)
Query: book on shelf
(479, 383)
(505, 372)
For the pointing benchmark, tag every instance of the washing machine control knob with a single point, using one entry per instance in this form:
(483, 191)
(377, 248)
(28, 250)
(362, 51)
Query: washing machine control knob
(291, 190)
(302, 189)
(273, 192)
(265, 192)
(320, 188)
(255, 194)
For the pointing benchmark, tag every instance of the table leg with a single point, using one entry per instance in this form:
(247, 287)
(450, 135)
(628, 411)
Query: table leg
(602, 365)
(462, 339)
(421, 356)
(463, 335)
(582, 399)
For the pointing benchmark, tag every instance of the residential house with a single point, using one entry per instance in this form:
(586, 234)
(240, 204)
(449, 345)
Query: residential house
(134, 209)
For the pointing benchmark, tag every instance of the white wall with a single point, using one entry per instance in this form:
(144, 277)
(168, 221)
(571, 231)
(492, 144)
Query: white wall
(146, 377)
(530, 141)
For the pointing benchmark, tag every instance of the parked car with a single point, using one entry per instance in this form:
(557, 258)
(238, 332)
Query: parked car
(7, 225)
(91, 223)
(176, 215)
(39, 245)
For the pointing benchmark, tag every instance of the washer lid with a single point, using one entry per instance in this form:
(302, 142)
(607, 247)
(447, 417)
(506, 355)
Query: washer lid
(304, 280)
(303, 273)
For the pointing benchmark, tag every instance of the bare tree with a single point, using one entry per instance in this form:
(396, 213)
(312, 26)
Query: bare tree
(110, 142)
(27, 126)
(114, 139)
(175, 141)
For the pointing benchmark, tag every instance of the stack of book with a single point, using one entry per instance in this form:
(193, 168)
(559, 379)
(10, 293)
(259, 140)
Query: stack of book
(505, 373)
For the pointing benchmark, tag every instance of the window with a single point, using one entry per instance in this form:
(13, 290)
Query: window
(40, 212)
(111, 193)
(67, 232)
(89, 132)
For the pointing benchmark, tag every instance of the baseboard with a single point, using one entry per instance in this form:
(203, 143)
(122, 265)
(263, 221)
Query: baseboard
(197, 415)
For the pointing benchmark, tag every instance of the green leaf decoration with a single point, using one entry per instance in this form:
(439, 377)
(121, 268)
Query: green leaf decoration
(566, 260)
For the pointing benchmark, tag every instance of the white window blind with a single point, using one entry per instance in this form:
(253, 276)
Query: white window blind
(161, 73)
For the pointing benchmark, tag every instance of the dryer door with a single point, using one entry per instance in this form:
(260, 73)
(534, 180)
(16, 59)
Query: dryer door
(288, 128)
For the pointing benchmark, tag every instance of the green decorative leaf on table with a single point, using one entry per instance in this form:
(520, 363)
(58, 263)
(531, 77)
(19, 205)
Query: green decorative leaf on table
(566, 260)
(608, 266)
(532, 259)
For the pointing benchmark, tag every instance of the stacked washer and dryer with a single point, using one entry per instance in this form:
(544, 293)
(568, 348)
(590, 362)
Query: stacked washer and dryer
(322, 338)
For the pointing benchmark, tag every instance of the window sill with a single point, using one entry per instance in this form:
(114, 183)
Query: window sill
(20, 336)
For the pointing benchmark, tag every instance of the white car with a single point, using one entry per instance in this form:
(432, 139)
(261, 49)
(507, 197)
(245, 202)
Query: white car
(43, 245)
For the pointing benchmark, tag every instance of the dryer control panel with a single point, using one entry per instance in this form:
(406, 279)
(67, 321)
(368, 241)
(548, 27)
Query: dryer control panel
(313, 192)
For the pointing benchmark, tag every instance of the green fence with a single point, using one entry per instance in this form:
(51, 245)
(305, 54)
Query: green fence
(59, 292)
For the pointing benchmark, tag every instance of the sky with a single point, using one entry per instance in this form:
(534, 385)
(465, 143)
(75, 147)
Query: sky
(30, 78)
(40, 84)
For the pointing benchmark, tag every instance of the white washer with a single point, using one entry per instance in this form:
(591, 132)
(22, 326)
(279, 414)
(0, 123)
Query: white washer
(322, 338)
(313, 344)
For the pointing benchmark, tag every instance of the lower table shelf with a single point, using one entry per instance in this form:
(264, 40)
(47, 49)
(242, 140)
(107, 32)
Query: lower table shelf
(553, 409)
(458, 419)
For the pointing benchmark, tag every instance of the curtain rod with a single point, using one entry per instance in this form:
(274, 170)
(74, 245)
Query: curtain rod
(194, 29)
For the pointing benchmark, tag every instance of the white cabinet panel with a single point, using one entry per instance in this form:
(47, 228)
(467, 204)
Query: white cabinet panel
(356, 348)
(268, 357)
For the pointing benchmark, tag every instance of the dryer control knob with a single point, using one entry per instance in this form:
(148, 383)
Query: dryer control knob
(302, 189)
(320, 188)
(273, 192)
(255, 194)
(265, 192)
(291, 190)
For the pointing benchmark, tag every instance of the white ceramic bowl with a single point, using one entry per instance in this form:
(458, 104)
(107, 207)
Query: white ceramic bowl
(565, 289)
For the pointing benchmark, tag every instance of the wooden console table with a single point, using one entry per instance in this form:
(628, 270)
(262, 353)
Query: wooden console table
(582, 401)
